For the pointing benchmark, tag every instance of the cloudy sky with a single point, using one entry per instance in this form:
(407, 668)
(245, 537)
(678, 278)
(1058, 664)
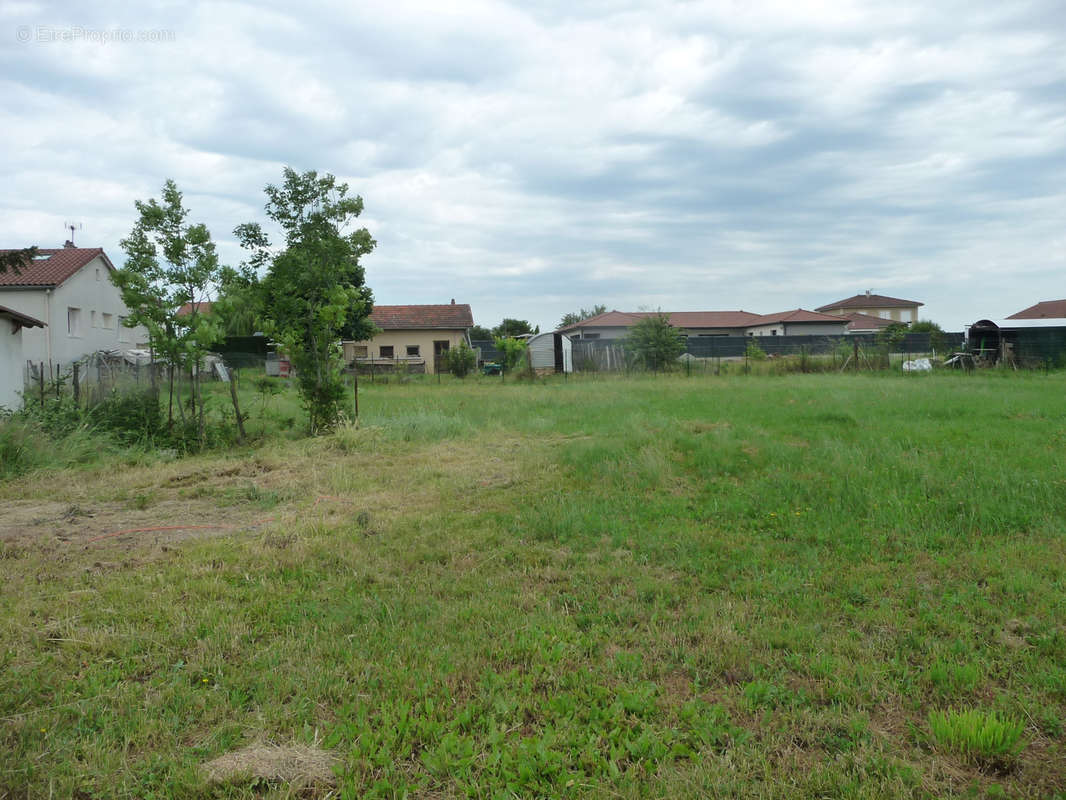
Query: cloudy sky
(532, 158)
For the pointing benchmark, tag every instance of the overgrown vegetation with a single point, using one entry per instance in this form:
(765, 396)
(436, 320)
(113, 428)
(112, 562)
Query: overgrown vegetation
(654, 343)
(654, 586)
(461, 360)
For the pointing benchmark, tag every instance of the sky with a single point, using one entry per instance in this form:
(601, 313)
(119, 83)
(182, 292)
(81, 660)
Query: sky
(535, 158)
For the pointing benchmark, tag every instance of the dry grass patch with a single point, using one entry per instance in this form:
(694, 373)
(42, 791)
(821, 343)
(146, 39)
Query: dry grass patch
(297, 766)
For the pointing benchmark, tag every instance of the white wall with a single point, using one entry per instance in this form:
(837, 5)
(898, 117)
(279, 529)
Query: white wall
(11, 364)
(91, 292)
(604, 333)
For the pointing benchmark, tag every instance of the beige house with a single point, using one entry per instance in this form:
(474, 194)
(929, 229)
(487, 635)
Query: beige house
(413, 336)
(875, 305)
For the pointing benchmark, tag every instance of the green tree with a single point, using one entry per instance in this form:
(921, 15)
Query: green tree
(514, 327)
(314, 291)
(654, 341)
(937, 339)
(15, 260)
(575, 317)
(479, 333)
(511, 350)
(171, 263)
(238, 305)
(460, 360)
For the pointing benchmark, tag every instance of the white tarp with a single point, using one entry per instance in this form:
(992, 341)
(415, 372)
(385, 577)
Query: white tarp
(918, 365)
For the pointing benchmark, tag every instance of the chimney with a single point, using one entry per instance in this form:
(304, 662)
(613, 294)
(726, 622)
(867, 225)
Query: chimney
(453, 301)
(867, 292)
(68, 243)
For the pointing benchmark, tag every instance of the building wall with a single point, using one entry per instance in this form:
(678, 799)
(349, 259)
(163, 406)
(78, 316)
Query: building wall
(99, 307)
(598, 333)
(12, 364)
(908, 314)
(400, 340)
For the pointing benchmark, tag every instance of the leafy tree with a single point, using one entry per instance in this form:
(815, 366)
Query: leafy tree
(15, 260)
(460, 360)
(514, 327)
(891, 335)
(937, 339)
(575, 317)
(480, 333)
(169, 264)
(239, 302)
(511, 349)
(314, 291)
(654, 341)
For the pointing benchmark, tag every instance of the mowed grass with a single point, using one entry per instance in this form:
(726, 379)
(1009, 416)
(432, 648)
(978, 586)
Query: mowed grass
(665, 587)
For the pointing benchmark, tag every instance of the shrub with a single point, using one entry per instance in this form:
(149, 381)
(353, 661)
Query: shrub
(511, 350)
(461, 360)
(754, 352)
(985, 738)
(655, 342)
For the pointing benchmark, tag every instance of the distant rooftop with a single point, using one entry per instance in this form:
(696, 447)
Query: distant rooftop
(868, 300)
(1045, 309)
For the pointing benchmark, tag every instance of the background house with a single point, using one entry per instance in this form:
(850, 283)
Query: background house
(1045, 309)
(797, 323)
(615, 324)
(864, 323)
(13, 326)
(419, 334)
(69, 289)
(875, 305)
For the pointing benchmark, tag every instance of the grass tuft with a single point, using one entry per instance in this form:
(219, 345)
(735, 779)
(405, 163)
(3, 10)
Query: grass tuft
(986, 738)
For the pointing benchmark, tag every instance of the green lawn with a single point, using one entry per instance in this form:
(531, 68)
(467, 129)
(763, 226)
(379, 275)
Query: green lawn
(776, 587)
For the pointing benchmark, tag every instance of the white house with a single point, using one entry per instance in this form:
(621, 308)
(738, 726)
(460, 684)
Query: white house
(70, 289)
(12, 360)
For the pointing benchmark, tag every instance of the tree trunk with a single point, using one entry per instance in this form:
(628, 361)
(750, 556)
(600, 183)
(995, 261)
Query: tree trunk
(236, 406)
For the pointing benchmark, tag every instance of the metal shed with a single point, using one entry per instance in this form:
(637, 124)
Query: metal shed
(550, 352)
(1032, 342)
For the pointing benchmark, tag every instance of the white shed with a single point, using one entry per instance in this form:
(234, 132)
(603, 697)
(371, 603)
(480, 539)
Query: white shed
(12, 357)
(550, 352)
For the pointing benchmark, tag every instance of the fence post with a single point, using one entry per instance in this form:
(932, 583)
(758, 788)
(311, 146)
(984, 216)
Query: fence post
(355, 389)
(40, 380)
(77, 392)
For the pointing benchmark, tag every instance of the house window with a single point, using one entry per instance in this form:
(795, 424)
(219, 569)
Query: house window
(773, 332)
(97, 273)
(385, 351)
(92, 319)
(360, 351)
(412, 349)
(107, 323)
(73, 321)
(883, 314)
(123, 331)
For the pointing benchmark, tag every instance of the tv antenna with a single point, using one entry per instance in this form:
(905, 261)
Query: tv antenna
(72, 226)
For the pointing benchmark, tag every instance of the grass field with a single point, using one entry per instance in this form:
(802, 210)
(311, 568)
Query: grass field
(808, 586)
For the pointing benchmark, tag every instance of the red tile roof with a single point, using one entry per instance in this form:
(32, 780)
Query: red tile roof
(20, 318)
(452, 316)
(679, 319)
(203, 307)
(870, 301)
(61, 263)
(798, 315)
(1046, 309)
(866, 322)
